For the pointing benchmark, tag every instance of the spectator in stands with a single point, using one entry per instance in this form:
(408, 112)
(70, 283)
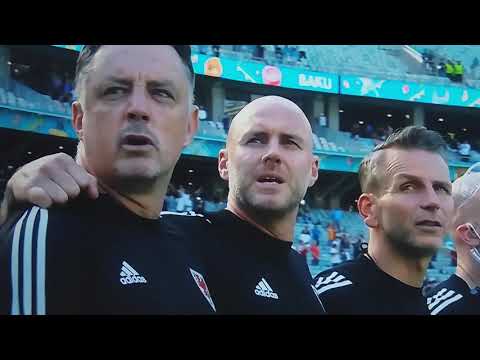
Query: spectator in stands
(315, 251)
(323, 120)
(458, 71)
(56, 84)
(216, 50)
(171, 199)
(464, 150)
(315, 233)
(441, 68)
(345, 247)
(305, 236)
(369, 130)
(427, 58)
(475, 64)
(335, 255)
(452, 142)
(226, 122)
(67, 89)
(302, 58)
(260, 51)
(355, 130)
(279, 53)
(474, 68)
(407, 205)
(332, 233)
(184, 201)
(336, 216)
(449, 70)
(302, 248)
(355, 242)
(460, 293)
(198, 201)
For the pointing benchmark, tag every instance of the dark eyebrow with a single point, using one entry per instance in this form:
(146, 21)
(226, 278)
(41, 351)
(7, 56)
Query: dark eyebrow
(162, 83)
(118, 80)
(126, 82)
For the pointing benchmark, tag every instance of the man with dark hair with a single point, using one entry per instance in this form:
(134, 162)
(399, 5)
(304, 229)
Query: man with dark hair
(460, 293)
(133, 116)
(407, 204)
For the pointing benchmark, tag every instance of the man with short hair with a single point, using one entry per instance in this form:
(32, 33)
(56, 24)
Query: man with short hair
(133, 116)
(460, 293)
(407, 204)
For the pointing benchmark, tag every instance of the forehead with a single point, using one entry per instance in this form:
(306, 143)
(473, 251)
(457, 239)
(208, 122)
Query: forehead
(140, 62)
(419, 163)
(275, 121)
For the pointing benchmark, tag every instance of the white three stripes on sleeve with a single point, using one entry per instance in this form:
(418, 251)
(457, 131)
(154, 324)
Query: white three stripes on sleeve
(441, 300)
(26, 266)
(334, 280)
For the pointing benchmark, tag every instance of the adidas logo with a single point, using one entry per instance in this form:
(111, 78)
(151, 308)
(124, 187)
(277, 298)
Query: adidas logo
(128, 275)
(263, 289)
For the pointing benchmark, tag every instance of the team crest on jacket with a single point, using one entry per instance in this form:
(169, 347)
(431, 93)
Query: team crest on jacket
(202, 285)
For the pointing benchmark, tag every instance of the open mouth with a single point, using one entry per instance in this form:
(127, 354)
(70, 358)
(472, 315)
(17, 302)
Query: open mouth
(270, 179)
(431, 223)
(137, 140)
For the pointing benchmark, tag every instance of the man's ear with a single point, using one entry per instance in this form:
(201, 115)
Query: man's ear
(314, 172)
(467, 235)
(223, 164)
(192, 125)
(77, 119)
(367, 207)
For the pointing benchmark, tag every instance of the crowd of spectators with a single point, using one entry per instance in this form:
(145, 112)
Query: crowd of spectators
(444, 67)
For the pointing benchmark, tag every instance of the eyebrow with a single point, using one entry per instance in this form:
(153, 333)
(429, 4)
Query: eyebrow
(294, 137)
(127, 81)
(264, 133)
(400, 176)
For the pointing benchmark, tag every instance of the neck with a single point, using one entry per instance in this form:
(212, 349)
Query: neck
(148, 205)
(280, 228)
(410, 271)
(467, 270)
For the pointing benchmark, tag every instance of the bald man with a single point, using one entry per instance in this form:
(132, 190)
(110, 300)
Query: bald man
(460, 294)
(269, 165)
